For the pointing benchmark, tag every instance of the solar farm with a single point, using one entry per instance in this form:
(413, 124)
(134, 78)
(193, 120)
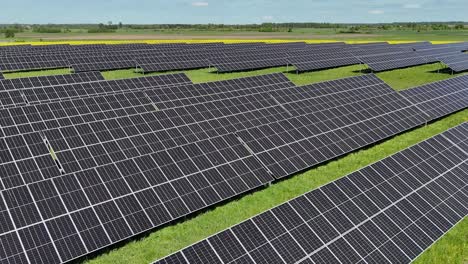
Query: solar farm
(233, 153)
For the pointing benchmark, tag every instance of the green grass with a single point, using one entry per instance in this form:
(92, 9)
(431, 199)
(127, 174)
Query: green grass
(413, 76)
(208, 75)
(398, 79)
(452, 248)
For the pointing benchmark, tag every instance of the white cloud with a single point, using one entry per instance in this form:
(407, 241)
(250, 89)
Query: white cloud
(412, 6)
(199, 4)
(376, 12)
(267, 17)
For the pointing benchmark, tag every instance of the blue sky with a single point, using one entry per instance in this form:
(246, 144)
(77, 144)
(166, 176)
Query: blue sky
(230, 11)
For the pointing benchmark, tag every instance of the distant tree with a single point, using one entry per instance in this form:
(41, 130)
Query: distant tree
(120, 25)
(290, 30)
(9, 33)
(459, 26)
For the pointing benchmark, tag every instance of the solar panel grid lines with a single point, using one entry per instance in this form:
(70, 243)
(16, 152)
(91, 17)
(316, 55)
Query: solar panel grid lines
(457, 63)
(279, 161)
(250, 65)
(440, 98)
(212, 91)
(206, 131)
(39, 95)
(95, 63)
(16, 121)
(162, 97)
(311, 52)
(52, 80)
(72, 136)
(414, 45)
(31, 63)
(299, 142)
(249, 61)
(233, 58)
(336, 223)
(382, 62)
(371, 44)
(322, 60)
(360, 52)
(170, 66)
(190, 198)
(435, 51)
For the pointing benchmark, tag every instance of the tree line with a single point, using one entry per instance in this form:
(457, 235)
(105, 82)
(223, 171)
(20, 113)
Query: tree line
(109, 27)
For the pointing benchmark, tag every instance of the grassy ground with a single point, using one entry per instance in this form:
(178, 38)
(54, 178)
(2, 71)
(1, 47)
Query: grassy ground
(452, 248)
(296, 34)
(398, 79)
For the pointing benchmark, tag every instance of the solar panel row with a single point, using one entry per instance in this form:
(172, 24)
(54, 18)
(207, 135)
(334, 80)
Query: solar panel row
(174, 56)
(36, 95)
(27, 63)
(388, 212)
(433, 52)
(218, 168)
(457, 63)
(321, 60)
(133, 156)
(386, 61)
(45, 81)
(440, 98)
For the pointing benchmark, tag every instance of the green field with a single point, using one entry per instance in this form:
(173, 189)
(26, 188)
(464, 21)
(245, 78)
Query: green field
(398, 79)
(297, 33)
(452, 248)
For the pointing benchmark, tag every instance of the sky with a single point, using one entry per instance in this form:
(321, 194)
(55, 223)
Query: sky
(230, 11)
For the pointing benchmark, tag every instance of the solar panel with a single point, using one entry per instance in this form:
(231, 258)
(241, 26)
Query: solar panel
(415, 45)
(388, 212)
(78, 111)
(45, 81)
(31, 63)
(370, 45)
(157, 154)
(373, 51)
(249, 62)
(179, 62)
(113, 62)
(327, 120)
(38, 95)
(457, 62)
(382, 62)
(321, 60)
(142, 192)
(83, 212)
(440, 98)
(435, 51)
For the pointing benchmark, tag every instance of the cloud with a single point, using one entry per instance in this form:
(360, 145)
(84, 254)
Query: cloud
(199, 4)
(376, 12)
(412, 6)
(267, 17)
